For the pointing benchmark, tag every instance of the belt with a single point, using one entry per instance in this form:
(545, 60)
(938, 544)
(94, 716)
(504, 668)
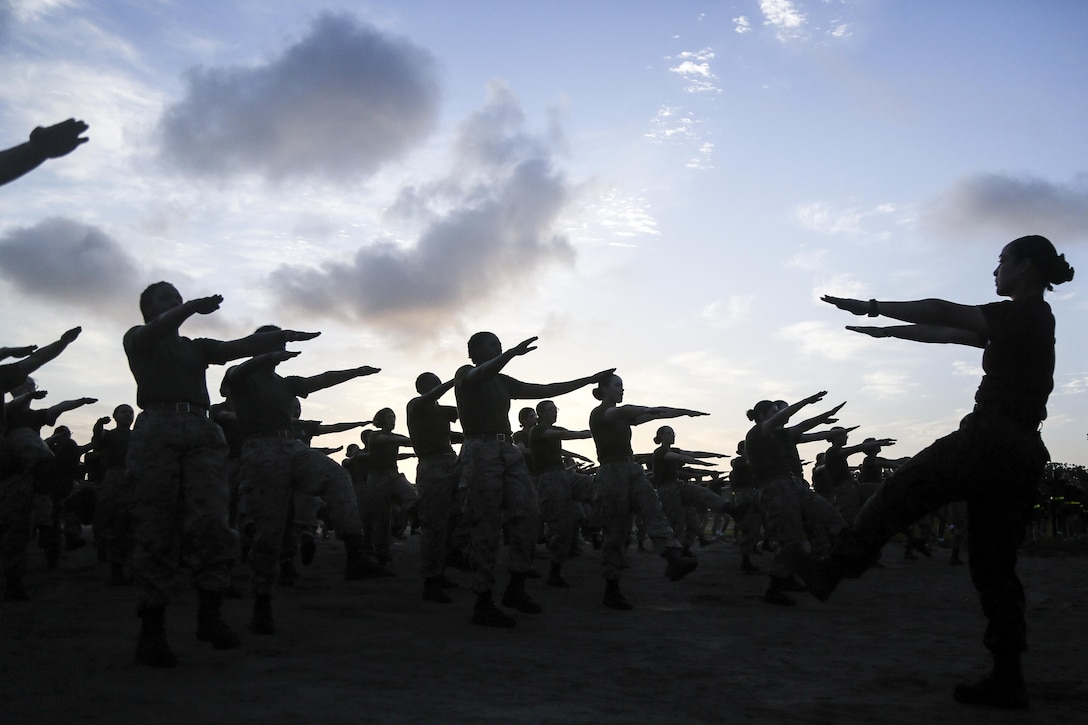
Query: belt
(487, 436)
(281, 433)
(177, 408)
(616, 459)
(1009, 411)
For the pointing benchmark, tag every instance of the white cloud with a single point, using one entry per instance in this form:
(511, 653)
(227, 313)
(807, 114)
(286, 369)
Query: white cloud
(819, 339)
(886, 385)
(742, 25)
(727, 313)
(782, 15)
(1012, 205)
(823, 218)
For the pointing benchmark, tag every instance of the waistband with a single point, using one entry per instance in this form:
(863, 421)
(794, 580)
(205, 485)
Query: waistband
(616, 459)
(281, 433)
(177, 408)
(488, 437)
(1009, 411)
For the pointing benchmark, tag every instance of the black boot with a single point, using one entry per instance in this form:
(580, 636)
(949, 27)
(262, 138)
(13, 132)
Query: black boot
(613, 598)
(433, 591)
(210, 626)
(485, 612)
(152, 649)
(359, 565)
(262, 622)
(516, 597)
(555, 577)
(776, 592)
(1003, 687)
(679, 565)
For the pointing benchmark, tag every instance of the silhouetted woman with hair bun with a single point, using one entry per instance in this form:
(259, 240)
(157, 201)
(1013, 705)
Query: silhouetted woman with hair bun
(994, 461)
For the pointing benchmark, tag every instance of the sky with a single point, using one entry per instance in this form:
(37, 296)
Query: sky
(663, 188)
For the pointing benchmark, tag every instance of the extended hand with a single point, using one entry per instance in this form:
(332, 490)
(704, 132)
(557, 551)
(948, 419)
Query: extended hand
(206, 305)
(870, 331)
(525, 346)
(855, 307)
(298, 336)
(59, 139)
(71, 335)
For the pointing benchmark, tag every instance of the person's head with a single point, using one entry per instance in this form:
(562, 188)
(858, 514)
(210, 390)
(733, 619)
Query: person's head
(1029, 265)
(763, 410)
(271, 328)
(351, 450)
(665, 435)
(740, 448)
(27, 386)
(609, 390)
(385, 419)
(484, 346)
(527, 417)
(61, 431)
(364, 437)
(871, 447)
(546, 412)
(426, 382)
(839, 436)
(123, 415)
(158, 298)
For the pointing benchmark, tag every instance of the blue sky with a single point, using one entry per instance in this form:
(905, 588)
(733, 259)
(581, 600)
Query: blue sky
(666, 188)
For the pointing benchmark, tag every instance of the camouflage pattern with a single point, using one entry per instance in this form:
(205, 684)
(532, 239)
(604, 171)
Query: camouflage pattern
(436, 485)
(383, 489)
(993, 463)
(497, 484)
(752, 520)
(274, 474)
(180, 503)
(624, 490)
(16, 509)
(113, 515)
(679, 499)
(559, 491)
(792, 513)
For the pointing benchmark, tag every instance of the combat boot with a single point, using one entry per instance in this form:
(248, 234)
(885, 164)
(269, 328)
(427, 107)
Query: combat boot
(485, 612)
(210, 626)
(262, 622)
(516, 597)
(679, 566)
(1003, 687)
(359, 565)
(613, 598)
(151, 648)
(555, 578)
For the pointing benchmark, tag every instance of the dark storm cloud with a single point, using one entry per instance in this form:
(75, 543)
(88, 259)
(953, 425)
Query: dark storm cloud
(340, 103)
(1013, 205)
(488, 228)
(69, 263)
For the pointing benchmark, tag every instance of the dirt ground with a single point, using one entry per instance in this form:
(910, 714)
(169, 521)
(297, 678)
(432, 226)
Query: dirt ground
(887, 649)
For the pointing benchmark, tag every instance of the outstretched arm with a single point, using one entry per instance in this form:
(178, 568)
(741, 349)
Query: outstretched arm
(42, 355)
(6, 352)
(639, 414)
(50, 142)
(486, 370)
(539, 391)
(930, 314)
(924, 333)
(780, 418)
(333, 377)
(64, 406)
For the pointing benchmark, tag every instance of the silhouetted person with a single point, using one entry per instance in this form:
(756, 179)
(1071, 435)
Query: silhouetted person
(49, 142)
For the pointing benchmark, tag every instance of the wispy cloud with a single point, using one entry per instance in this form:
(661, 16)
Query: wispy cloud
(694, 68)
(70, 264)
(1012, 205)
(819, 339)
(728, 312)
(783, 16)
(886, 385)
(823, 218)
(487, 228)
(338, 104)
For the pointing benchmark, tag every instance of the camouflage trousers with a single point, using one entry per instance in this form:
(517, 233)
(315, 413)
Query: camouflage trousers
(792, 513)
(622, 490)
(995, 465)
(276, 473)
(16, 510)
(113, 516)
(679, 499)
(752, 520)
(497, 485)
(176, 461)
(383, 490)
(560, 492)
(436, 485)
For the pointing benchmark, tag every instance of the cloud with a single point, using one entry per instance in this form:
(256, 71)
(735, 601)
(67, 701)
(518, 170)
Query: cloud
(727, 313)
(787, 21)
(886, 385)
(1012, 205)
(742, 25)
(821, 217)
(71, 264)
(694, 68)
(487, 229)
(338, 104)
(823, 340)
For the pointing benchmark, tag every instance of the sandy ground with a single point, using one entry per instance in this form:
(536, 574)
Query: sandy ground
(887, 648)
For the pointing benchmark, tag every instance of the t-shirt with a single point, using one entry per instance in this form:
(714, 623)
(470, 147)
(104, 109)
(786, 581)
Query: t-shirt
(665, 471)
(483, 407)
(766, 454)
(171, 369)
(546, 453)
(429, 428)
(611, 437)
(263, 400)
(1018, 361)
